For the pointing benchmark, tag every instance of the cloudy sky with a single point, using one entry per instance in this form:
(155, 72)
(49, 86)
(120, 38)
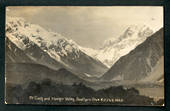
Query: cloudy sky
(90, 26)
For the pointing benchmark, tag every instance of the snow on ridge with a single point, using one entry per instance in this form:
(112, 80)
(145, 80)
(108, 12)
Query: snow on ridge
(131, 32)
(111, 51)
(24, 33)
(88, 75)
(48, 41)
(31, 29)
(18, 43)
(115, 47)
(90, 51)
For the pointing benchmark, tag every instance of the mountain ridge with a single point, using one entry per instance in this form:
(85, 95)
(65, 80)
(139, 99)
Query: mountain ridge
(144, 58)
(23, 73)
(29, 37)
(113, 48)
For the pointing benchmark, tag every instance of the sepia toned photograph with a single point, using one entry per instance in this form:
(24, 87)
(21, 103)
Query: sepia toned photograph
(84, 55)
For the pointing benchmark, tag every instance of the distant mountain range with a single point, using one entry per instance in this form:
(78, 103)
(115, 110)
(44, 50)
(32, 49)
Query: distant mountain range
(144, 63)
(136, 55)
(50, 49)
(116, 47)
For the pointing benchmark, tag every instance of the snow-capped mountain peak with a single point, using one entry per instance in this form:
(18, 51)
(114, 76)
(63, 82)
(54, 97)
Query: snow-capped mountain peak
(132, 32)
(27, 36)
(115, 47)
(36, 31)
(65, 50)
(27, 33)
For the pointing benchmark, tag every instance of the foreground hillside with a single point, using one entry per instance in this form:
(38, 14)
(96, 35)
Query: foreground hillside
(47, 92)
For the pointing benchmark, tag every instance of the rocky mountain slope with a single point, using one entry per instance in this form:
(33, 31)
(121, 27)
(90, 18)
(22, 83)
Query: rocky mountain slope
(116, 47)
(24, 73)
(140, 63)
(51, 49)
